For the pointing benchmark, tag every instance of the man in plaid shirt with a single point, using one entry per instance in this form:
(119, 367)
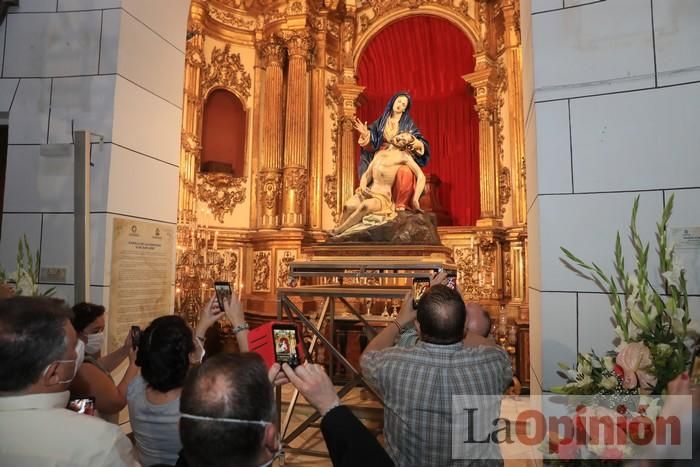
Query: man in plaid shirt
(417, 383)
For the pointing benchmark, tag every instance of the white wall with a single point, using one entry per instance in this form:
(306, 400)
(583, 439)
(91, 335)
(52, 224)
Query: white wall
(612, 91)
(115, 67)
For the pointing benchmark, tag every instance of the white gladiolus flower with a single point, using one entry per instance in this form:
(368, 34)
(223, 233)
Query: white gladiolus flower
(609, 363)
(609, 382)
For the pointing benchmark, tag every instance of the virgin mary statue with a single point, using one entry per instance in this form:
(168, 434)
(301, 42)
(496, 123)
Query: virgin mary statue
(377, 136)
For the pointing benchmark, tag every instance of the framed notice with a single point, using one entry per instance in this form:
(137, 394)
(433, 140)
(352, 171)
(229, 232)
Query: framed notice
(141, 288)
(686, 243)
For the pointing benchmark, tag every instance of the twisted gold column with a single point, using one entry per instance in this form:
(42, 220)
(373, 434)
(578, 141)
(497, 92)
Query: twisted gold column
(269, 177)
(296, 153)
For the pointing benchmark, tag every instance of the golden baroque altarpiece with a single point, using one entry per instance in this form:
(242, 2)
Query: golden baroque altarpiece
(292, 64)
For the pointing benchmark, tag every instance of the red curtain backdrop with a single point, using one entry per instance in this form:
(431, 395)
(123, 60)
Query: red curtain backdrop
(223, 130)
(427, 56)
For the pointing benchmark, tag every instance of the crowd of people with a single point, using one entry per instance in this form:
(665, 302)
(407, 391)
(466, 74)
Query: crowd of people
(185, 410)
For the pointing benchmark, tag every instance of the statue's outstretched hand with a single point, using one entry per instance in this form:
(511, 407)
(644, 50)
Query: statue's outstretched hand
(360, 127)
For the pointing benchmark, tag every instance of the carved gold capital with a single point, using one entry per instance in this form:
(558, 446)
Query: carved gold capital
(272, 52)
(226, 70)
(221, 192)
(299, 43)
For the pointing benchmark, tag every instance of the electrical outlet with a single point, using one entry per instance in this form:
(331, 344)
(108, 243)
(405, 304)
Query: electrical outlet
(53, 275)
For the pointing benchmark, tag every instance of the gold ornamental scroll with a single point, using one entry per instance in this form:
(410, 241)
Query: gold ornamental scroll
(142, 276)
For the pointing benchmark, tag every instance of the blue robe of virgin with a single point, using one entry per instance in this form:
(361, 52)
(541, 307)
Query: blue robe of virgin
(376, 130)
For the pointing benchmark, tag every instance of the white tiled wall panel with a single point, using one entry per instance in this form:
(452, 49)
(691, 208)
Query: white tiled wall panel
(46, 44)
(145, 58)
(595, 328)
(40, 183)
(151, 14)
(33, 6)
(29, 115)
(545, 5)
(37, 183)
(109, 45)
(587, 225)
(142, 186)
(83, 103)
(636, 141)
(558, 338)
(57, 243)
(8, 87)
(570, 3)
(602, 47)
(146, 123)
(553, 148)
(71, 5)
(677, 38)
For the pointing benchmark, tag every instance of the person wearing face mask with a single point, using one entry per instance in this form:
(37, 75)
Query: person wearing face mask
(94, 378)
(39, 354)
(167, 350)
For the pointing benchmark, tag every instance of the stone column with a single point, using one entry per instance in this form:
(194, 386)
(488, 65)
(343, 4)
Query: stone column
(347, 141)
(270, 175)
(296, 144)
(316, 119)
(484, 81)
(513, 65)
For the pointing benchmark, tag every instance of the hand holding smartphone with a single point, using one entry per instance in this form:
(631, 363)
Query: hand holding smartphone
(135, 336)
(420, 287)
(223, 293)
(285, 338)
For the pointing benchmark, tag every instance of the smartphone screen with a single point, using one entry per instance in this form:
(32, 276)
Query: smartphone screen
(451, 280)
(223, 293)
(420, 287)
(285, 340)
(85, 406)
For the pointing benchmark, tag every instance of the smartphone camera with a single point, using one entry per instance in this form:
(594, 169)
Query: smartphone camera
(223, 293)
(420, 287)
(135, 336)
(451, 280)
(286, 339)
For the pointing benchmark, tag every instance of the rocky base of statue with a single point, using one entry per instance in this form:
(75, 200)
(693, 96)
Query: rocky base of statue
(407, 228)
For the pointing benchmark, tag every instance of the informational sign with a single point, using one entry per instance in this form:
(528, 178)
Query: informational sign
(686, 242)
(142, 276)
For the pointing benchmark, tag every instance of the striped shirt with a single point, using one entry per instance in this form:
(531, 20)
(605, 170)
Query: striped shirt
(417, 385)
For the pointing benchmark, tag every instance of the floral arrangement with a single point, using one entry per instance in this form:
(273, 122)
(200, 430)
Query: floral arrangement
(655, 340)
(25, 279)
(653, 329)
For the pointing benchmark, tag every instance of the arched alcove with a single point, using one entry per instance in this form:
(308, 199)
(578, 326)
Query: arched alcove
(427, 56)
(223, 133)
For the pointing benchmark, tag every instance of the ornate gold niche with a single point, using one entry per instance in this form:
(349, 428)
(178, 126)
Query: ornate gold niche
(315, 46)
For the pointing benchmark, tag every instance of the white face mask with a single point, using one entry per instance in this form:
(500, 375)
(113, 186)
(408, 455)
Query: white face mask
(94, 342)
(262, 423)
(79, 355)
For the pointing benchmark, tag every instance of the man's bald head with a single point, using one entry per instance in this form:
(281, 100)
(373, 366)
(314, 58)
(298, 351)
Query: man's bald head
(478, 319)
(226, 386)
